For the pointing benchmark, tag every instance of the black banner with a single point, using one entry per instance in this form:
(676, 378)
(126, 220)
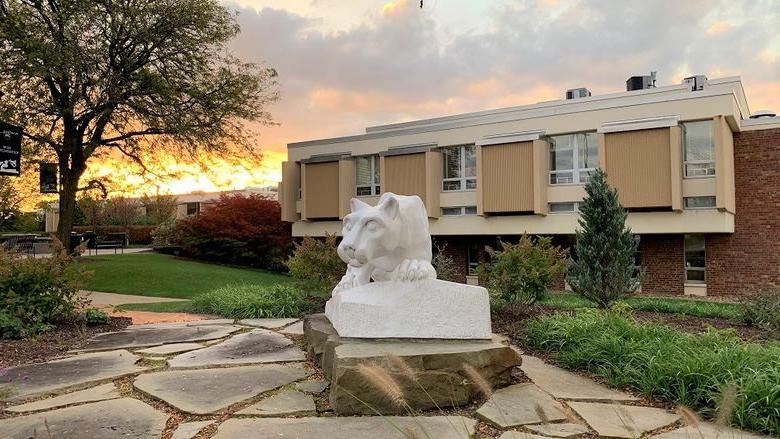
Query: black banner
(10, 150)
(48, 181)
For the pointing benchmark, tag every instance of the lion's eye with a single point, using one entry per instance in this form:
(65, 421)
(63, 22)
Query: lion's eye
(372, 226)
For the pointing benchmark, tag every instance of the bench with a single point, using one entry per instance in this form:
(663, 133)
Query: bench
(116, 241)
(21, 244)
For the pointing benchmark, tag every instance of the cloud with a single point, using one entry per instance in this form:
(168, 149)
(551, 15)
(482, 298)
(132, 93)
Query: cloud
(398, 62)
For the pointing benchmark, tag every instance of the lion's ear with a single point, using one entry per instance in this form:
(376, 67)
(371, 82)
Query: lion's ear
(390, 207)
(356, 205)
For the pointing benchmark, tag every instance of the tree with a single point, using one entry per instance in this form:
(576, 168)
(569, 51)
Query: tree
(159, 208)
(9, 203)
(135, 76)
(122, 211)
(603, 268)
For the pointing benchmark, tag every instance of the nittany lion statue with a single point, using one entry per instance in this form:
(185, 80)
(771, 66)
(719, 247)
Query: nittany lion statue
(389, 241)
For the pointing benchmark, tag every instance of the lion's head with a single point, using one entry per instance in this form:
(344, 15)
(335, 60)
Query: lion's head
(370, 232)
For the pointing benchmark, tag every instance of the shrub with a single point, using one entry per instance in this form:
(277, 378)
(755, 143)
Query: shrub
(95, 316)
(253, 301)
(37, 292)
(659, 361)
(164, 236)
(520, 274)
(444, 265)
(316, 263)
(762, 309)
(238, 229)
(603, 267)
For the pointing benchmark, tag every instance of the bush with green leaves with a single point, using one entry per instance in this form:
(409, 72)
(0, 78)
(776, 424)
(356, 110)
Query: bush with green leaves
(693, 370)
(37, 292)
(248, 301)
(316, 263)
(602, 269)
(520, 274)
(95, 316)
(762, 309)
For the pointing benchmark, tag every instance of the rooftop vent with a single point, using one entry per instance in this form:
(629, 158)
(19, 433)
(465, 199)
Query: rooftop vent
(576, 93)
(763, 113)
(640, 82)
(695, 82)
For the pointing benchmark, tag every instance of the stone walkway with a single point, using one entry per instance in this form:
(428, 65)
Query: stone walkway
(250, 379)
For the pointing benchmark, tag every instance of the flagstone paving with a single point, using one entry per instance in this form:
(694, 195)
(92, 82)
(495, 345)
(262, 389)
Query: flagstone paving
(232, 374)
(99, 393)
(286, 403)
(295, 329)
(126, 418)
(204, 391)
(72, 371)
(142, 337)
(256, 346)
(520, 404)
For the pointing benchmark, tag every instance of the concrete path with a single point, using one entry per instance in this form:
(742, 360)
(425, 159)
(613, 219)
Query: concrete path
(233, 380)
(106, 300)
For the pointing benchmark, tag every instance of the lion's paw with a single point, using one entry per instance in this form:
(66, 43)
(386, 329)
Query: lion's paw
(414, 269)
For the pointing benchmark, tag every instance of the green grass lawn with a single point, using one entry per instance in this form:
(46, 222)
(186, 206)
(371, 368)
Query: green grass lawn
(698, 308)
(153, 274)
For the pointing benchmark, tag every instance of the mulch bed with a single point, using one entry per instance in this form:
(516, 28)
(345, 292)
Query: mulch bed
(55, 343)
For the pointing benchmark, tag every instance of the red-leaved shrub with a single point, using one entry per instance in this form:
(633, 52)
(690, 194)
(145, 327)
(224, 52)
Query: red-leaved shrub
(238, 229)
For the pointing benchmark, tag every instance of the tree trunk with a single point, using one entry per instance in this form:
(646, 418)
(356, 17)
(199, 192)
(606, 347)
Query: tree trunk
(67, 205)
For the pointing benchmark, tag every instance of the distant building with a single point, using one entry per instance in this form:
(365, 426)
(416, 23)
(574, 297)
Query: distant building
(697, 171)
(186, 204)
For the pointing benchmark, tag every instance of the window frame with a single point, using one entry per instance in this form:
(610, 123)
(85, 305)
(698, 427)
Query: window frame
(714, 203)
(196, 205)
(463, 180)
(567, 212)
(472, 259)
(462, 210)
(695, 269)
(698, 162)
(374, 187)
(576, 171)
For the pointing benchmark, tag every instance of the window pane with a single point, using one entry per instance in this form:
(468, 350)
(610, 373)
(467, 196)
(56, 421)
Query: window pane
(698, 140)
(561, 178)
(451, 211)
(452, 185)
(699, 202)
(694, 251)
(585, 176)
(471, 183)
(470, 210)
(694, 275)
(451, 158)
(363, 170)
(376, 171)
(561, 207)
(470, 158)
(699, 169)
(588, 150)
(561, 153)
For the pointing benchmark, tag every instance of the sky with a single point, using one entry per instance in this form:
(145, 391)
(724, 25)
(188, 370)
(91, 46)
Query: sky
(347, 64)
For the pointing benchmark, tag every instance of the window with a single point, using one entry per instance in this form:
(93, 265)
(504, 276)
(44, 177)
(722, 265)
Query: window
(573, 158)
(193, 209)
(367, 175)
(694, 259)
(457, 211)
(569, 207)
(460, 168)
(472, 258)
(699, 202)
(698, 149)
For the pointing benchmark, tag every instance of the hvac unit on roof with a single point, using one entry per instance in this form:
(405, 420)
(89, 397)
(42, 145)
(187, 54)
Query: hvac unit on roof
(695, 82)
(576, 93)
(640, 82)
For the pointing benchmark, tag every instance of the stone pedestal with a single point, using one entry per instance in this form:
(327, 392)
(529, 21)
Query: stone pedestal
(438, 368)
(425, 309)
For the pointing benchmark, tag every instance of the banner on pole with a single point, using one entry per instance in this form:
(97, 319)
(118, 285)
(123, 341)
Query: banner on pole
(48, 180)
(10, 150)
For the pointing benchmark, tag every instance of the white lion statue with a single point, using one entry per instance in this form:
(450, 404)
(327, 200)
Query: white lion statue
(386, 242)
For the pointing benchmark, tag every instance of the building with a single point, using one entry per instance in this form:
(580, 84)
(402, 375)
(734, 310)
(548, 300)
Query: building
(699, 176)
(186, 204)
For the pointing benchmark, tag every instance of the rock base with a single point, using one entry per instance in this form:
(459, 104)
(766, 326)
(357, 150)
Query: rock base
(427, 309)
(437, 365)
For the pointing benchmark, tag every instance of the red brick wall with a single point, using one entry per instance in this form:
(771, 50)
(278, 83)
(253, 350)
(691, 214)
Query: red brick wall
(750, 258)
(663, 261)
(454, 247)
